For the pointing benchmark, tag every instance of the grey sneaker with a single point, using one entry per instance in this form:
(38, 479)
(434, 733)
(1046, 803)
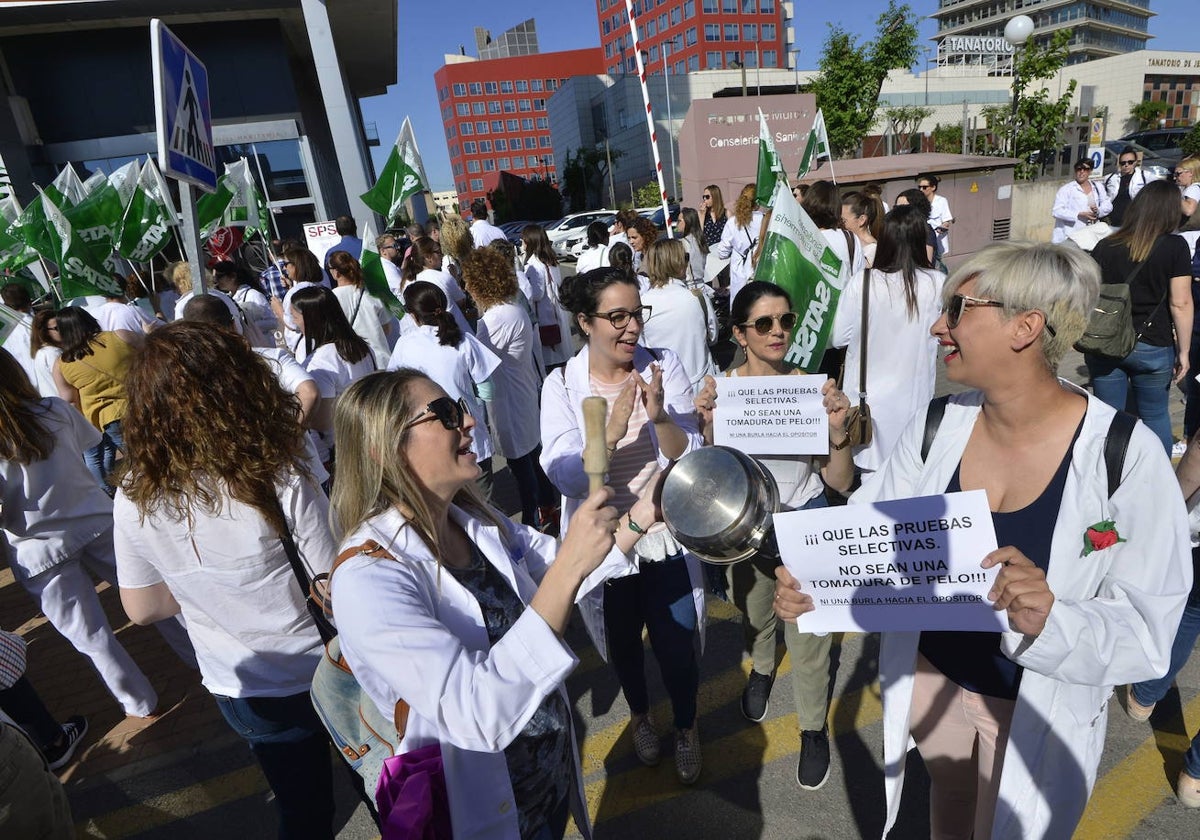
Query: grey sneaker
(813, 769)
(688, 760)
(73, 731)
(645, 740)
(755, 695)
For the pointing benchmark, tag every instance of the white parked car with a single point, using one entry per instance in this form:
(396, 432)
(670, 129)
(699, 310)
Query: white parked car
(574, 227)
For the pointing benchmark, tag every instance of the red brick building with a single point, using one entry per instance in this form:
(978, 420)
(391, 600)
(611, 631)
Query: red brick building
(695, 35)
(494, 115)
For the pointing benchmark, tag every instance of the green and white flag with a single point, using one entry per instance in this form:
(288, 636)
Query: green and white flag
(817, 147)
(66, 190)
(145, 227)
(373, 277)
(97, 218)
(211, 208)
(770, 169)
(15, 254)
(403, 175)
(797, 257)
(32, 227)
(246, 207)
(79, 271)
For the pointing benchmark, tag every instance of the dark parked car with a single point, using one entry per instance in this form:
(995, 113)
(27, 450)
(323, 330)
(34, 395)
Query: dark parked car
(1164, 142)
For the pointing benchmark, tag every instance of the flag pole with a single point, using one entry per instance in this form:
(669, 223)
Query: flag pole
(266, 195)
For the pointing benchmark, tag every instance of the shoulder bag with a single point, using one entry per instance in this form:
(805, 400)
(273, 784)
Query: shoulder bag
(1110, 332)
(859, 430)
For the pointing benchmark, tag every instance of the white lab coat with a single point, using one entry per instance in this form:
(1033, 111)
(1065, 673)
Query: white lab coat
(738, 245)
(418, 634)
(548, 279)
(562, 451)
(1070, 201)
(679, 320)
(1113, 620)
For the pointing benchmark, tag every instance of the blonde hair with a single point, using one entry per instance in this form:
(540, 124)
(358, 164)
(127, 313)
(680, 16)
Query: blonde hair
(455, 236)
(743, 210)
(1060, 282)
(665, 260)
(1191, 163)
(373, 470)
(181, 276)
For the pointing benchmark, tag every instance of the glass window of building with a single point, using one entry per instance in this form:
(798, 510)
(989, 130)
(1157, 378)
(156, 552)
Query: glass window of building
(518, 162)
(524, 105)
(676, 17)
(522, 86)
(731, 32)
(751, 57)
(506, 87)
(473, 166)
(729, 7)
(497, 126)
(770, 58)
(767, 7)
(653, 53)
(712, 32)
(489, 165)
(536, 85)
(530, 142)
(470, 148)
(689, 36)
(543, 123)
(694, 63)
(501, 145)
(749, 32)
(710, 7)
(510, 107)
(476, 89)
(748, 7)
(511, 126)
(467, 128)
(539, 104)
(451, 132)
(552, 84)
(527, 124)
(463, 109)
(460, 89)
(768, 32)
(490, 88)
(544, 141)
(478, 108)
(481, 127)
(712, 61)
(649, 30)
(493, 106)
(731, 57)
(485, 147)
(453, 150)
(476, 185)
(504, 163)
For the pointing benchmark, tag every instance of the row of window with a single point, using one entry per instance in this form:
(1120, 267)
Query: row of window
(713, 60)
(497, 127)
(497, 106)
(477, 183)
(471, 147)
(748, 32)
(495, 88)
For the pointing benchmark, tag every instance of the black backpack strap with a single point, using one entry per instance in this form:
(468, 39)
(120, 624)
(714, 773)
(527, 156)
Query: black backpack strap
(1116, 444)
(933, 419)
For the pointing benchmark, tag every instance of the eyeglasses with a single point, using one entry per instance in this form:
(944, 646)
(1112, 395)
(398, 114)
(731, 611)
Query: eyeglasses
(763, 325)
(961, 303)
(924, 186)
(391, 247)
(450, 413)
(1127, 162)
(619, 318)
(286, 263)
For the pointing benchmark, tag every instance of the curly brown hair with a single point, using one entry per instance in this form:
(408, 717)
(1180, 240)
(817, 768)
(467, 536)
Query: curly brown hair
(743, 210)
(646, 230)
(489, 277)
(198, 431)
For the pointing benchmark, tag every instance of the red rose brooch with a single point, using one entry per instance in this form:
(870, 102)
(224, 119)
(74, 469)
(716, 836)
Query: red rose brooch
(1100, 536)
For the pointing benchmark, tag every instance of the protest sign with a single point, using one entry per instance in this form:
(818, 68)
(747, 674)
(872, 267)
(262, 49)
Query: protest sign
(320, 237)
(771, 415)
(909, 564)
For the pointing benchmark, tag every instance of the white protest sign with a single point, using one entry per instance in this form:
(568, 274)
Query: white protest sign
(910, 564)
(320, 237)
(771, 415)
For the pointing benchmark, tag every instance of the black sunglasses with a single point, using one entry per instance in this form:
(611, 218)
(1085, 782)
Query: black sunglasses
(960, 303)
(763, 325)
(450, 413)
(1127, 162)
(619, 318)
(708, 198)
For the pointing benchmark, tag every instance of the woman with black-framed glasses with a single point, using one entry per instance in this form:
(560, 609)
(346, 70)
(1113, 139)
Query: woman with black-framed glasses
(763, 322)
(651, 423)
(902, 305)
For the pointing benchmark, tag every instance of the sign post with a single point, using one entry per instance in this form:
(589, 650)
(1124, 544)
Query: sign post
(1096, 147)
(184, 126)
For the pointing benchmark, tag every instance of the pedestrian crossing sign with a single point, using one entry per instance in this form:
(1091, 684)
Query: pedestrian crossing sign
(184, 120)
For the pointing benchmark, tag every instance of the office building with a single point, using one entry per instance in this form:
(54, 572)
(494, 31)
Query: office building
(494, 109)
(691, 35)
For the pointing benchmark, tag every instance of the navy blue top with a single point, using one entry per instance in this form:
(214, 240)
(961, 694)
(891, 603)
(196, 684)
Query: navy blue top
(973, 660)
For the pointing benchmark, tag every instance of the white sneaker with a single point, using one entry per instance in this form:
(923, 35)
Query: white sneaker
(1188, 790)
(1179, 448)
(645, 740)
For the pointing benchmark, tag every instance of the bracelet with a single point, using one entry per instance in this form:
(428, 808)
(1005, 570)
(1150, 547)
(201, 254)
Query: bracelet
(636, 528)
(840, 446)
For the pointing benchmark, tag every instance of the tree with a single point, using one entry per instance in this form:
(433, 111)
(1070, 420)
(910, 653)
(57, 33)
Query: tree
(905, 121)
(583, 176)
(852, 75)
(1148, 112)
(1191, 141)
(647, 195)
(1039, 120)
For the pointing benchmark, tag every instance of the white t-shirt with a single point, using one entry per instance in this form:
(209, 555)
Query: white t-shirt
(1192, 191)
(217, 293)
(43, 369)
(332, 373)
(506, 331)
(368, 317)
(939, 216)
(901, 354)
(456, 369)
(483, 232)
(244, 609)
(50, 509)
(290, 373)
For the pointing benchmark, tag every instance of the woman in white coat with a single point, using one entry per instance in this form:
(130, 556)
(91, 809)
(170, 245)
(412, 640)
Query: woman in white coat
(365, 313)
(680, 318)
(903, 303)
(651, 423)
(739, 240)
(1011, 725)
(554, 325)
(468, 626)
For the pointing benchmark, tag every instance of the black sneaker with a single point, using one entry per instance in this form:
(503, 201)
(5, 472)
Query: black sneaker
(57, 755)
(813, 770)
(755, 694)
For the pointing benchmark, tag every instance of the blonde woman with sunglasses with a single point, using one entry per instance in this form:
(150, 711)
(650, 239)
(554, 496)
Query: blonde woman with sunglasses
(762, 320)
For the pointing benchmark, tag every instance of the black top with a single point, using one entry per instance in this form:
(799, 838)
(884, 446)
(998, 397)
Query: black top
(1169, 258)
(1120, 201)
(973, 660)
(713, 228)
(540, 762)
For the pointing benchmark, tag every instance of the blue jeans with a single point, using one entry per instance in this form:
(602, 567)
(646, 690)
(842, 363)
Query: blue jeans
(1150, 692)
(1149, 369)
(659, 598)
(292, 748)
(101, 459)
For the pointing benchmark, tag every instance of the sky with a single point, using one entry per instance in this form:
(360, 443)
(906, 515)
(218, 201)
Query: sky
(427, 33)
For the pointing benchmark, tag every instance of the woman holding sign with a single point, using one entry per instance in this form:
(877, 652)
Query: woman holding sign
(650, 423)
(1092, 574)
(762, 320)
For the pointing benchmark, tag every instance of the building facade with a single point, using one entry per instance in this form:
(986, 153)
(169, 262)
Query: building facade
(494, 112)
(968, 29)
(685, 36)
(285, 77)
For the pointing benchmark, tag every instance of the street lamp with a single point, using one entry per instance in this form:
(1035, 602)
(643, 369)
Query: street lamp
(1017, 32)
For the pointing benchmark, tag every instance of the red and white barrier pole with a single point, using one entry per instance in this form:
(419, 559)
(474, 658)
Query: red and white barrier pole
(641, 67)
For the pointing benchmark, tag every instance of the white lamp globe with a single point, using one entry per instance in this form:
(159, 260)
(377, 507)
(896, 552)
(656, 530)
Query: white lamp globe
(1018, 30)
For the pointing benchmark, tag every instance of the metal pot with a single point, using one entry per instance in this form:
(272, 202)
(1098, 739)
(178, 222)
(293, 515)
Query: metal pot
(718, 503)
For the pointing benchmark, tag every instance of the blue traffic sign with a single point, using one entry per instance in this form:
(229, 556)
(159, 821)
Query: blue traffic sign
(184, 120)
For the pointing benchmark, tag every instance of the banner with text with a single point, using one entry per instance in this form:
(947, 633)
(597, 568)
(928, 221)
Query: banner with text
(771, 415)
(909, 564)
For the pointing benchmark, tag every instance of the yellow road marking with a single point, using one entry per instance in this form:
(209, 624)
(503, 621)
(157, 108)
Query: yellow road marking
(1135, 787)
